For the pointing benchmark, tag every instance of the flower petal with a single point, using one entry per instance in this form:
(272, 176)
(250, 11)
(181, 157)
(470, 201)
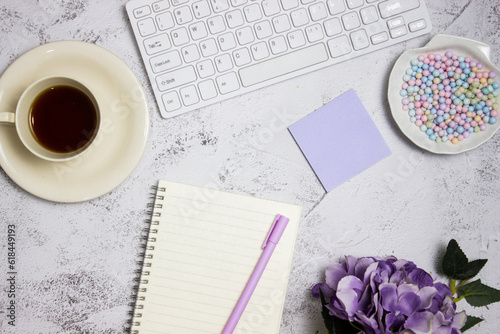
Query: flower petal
(409, 303)
(388, 296)
(334, 273)
(421, 278)
(349, 291)
(426, 294)
(420, 323)
(459, 320)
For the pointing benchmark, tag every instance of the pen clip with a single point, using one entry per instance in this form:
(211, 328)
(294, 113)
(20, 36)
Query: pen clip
(273, 230)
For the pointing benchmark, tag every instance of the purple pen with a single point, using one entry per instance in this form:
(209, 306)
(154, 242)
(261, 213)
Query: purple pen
(269, 245)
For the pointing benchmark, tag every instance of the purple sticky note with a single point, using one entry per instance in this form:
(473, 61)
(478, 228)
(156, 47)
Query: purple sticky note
(339, 140)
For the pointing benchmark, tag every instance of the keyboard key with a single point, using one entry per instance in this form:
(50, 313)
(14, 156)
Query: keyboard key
(296, 39)
(157, 44)
(314, 33)
(379, 38)
(189, 95)
(226, 41)
(396, 7)
(289, 4)
(180, 36)
(237, 3)
(259, 51)
(201, 9)
(245, 35)
(284, 64)
(234, 18)
(190, 53)
(395, 22)
(339, 46)
(198, 30)
(270, 7)
(183, 15)
(299, 17)
(223, 62)
(369, 14)
(281, 23)
(242, 57)
(227, 83)
(165, 61)
(417, 25)
(161, 6)
(207, 89)
(336, 6)
(219, 5)
(333, 27)
(205, 68)
(208, 47)
(146, 27)
(252, 12)
(359, 40)
(165, 21)
(263, 29)
(176, 78)
(278, 45)
(171, 101)
(318, 11)
(179, 2)
(216, 24)
(354, 3)
(142, 11)
(351, 21)
(398, 32)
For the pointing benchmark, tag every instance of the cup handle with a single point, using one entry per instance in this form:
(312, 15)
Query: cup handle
(7, 117)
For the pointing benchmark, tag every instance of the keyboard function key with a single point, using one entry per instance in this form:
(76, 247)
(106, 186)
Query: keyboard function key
(207, 89)
(216, 24)
(160, 6)
(165, 21)
(339, 46)
(359, 40)
(189, 95)
(205, 68)
(263, 29)
(417, 25)
(299, 17)
(234, 18)
(314, 33)
(318, 11)
(190, 53)
(198, 30)
(219, 5)
(351, 21)
(227, 83)
(333, 27)
(176, 78)
(252, 12)
(379, 38)
(270, 7)
(241, 57)
(395, 7)
(142, 11)
(398, 32)
(278, 45)
(180, 36)
(146, 27)
(354, 3)
(201, 9)
(395, 22)
(208, 47)
(281, 23)
(369, 14)
(157, 44)
(179, 2)
(226, 41)
(296, 39)
(260, 51)
(336, 6)
(165, 61)
(289, 4)
(171, 101)
(183, 15)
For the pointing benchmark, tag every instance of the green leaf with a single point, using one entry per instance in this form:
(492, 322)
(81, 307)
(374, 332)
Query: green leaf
(478, 294)
(471, 269)
(471, 321)
(454, 261)
(327, 318)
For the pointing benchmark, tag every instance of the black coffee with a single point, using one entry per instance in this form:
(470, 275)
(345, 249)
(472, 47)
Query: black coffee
(63, 119)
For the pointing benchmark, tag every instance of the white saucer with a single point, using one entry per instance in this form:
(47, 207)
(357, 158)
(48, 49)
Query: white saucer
(438, 44)
(120, 144)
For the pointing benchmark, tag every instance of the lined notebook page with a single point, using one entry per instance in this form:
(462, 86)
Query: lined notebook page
(206, 246)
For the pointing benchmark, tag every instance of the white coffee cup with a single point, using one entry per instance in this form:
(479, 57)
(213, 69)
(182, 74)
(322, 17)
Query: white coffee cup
(27, 127)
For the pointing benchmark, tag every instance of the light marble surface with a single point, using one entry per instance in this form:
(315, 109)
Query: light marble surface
(76, 262)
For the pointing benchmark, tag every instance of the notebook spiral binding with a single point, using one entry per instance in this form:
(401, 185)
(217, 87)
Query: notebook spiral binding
(148, 239)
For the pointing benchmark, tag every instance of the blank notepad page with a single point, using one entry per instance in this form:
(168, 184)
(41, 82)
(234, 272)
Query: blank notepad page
(201, 255)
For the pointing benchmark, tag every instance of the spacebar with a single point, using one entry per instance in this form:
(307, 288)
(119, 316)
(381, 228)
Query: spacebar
(282, 65)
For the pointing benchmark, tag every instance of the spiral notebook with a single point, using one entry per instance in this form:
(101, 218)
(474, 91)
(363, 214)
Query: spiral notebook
(203, 245)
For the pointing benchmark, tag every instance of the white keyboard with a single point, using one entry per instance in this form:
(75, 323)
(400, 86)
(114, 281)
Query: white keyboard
(199, 52)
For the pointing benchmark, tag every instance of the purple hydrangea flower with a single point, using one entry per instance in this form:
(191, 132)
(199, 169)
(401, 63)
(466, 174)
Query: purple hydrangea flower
(387, 295)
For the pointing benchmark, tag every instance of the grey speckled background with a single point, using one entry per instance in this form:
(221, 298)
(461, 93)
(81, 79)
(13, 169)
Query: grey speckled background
(76, 262)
